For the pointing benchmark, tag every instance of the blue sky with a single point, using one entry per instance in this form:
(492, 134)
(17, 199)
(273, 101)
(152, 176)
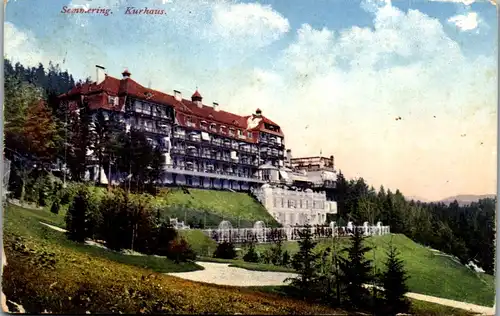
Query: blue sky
(334, 74)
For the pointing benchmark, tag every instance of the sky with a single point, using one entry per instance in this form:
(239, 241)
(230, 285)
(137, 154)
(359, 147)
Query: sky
(336, 75)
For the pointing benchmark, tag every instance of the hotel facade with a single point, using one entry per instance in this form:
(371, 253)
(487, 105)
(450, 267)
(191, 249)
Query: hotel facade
(206, 147)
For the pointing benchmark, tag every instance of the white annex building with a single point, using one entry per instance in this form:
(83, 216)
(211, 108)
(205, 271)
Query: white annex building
(294, 207)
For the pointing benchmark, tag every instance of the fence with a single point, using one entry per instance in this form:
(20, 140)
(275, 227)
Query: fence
(261, 234)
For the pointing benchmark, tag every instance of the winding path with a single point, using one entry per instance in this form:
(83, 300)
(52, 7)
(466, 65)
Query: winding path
(223, 274)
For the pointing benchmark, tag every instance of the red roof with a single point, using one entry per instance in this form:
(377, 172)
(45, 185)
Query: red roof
(116, 87)
(196, 94)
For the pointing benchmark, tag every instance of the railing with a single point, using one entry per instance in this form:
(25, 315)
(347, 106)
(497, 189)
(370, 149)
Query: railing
(214, 171)
(263, 235)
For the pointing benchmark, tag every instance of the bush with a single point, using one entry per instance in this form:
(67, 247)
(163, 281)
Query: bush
(251, 255)
(76, 217)
(165, 234)
(56, 206)
(83, 217)
(180, 251)
(225, 250)
(285, 261)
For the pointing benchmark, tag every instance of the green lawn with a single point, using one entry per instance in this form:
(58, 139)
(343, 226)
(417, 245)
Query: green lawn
(417, 307)
(214, 206)
(430, 274)
(202, 244)
(45, 271)
(21, 222)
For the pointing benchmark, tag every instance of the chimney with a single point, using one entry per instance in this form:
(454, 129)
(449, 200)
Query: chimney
(216, 106)
(258, 112)
(177, 95)
(100, 74)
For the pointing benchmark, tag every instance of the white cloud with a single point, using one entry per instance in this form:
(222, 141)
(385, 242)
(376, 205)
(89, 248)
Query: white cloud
(465, 22)
(466, 2)
(336, 91)
(253, 23)
(20, 46)
(341, 91)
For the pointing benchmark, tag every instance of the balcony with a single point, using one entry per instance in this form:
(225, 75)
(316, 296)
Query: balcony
(179, 135)
(194, 138)
(193, 170)
(180, 151)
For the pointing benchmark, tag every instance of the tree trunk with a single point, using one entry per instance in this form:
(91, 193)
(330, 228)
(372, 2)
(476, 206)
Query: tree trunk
(23, 191)
(109, 175)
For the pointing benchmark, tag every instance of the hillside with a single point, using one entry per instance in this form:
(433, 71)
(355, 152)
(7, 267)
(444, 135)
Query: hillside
(198, 206)
(431, 272)
(45, 271)
(465, 199)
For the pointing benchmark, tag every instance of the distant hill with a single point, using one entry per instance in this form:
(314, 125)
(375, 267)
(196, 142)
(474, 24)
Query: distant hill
(465, 199)
(416, 198)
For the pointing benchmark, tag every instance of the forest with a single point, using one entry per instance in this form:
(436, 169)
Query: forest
(39, 135)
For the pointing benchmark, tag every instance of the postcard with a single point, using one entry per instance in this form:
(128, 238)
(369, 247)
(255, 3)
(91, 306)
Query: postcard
(249, 157)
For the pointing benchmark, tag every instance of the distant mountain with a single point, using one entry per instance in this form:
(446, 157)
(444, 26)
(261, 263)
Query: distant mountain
(416, 198)
(465, 199)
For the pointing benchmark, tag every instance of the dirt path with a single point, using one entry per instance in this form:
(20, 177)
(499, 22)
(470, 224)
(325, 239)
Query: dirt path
(223, 274)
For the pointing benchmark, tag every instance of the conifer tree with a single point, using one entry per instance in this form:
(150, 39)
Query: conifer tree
(356, 270)
(394, 283)
(305, 263)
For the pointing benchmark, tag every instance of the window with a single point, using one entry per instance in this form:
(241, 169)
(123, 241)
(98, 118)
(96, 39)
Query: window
(301, 203)
(231, 132)
(240, 132)
(112, 100)
(249, 134)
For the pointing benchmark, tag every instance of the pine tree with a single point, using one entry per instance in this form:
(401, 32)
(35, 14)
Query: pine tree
(356, 270)
(305, 263)
(394, 283)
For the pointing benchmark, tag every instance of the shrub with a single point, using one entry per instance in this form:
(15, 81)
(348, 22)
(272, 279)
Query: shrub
(251, 255)
(164, 235)
(225, 250)
(76, 217)
(114, 226)
(180, 251)
(285, 261)
(277, 253)
(56, 206)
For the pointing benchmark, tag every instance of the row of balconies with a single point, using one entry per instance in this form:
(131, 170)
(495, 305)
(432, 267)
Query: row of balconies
(271, 152)
(212, 169)
(216, 142)
(214, 156)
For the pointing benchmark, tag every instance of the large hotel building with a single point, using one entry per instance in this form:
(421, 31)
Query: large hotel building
(204, 146)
